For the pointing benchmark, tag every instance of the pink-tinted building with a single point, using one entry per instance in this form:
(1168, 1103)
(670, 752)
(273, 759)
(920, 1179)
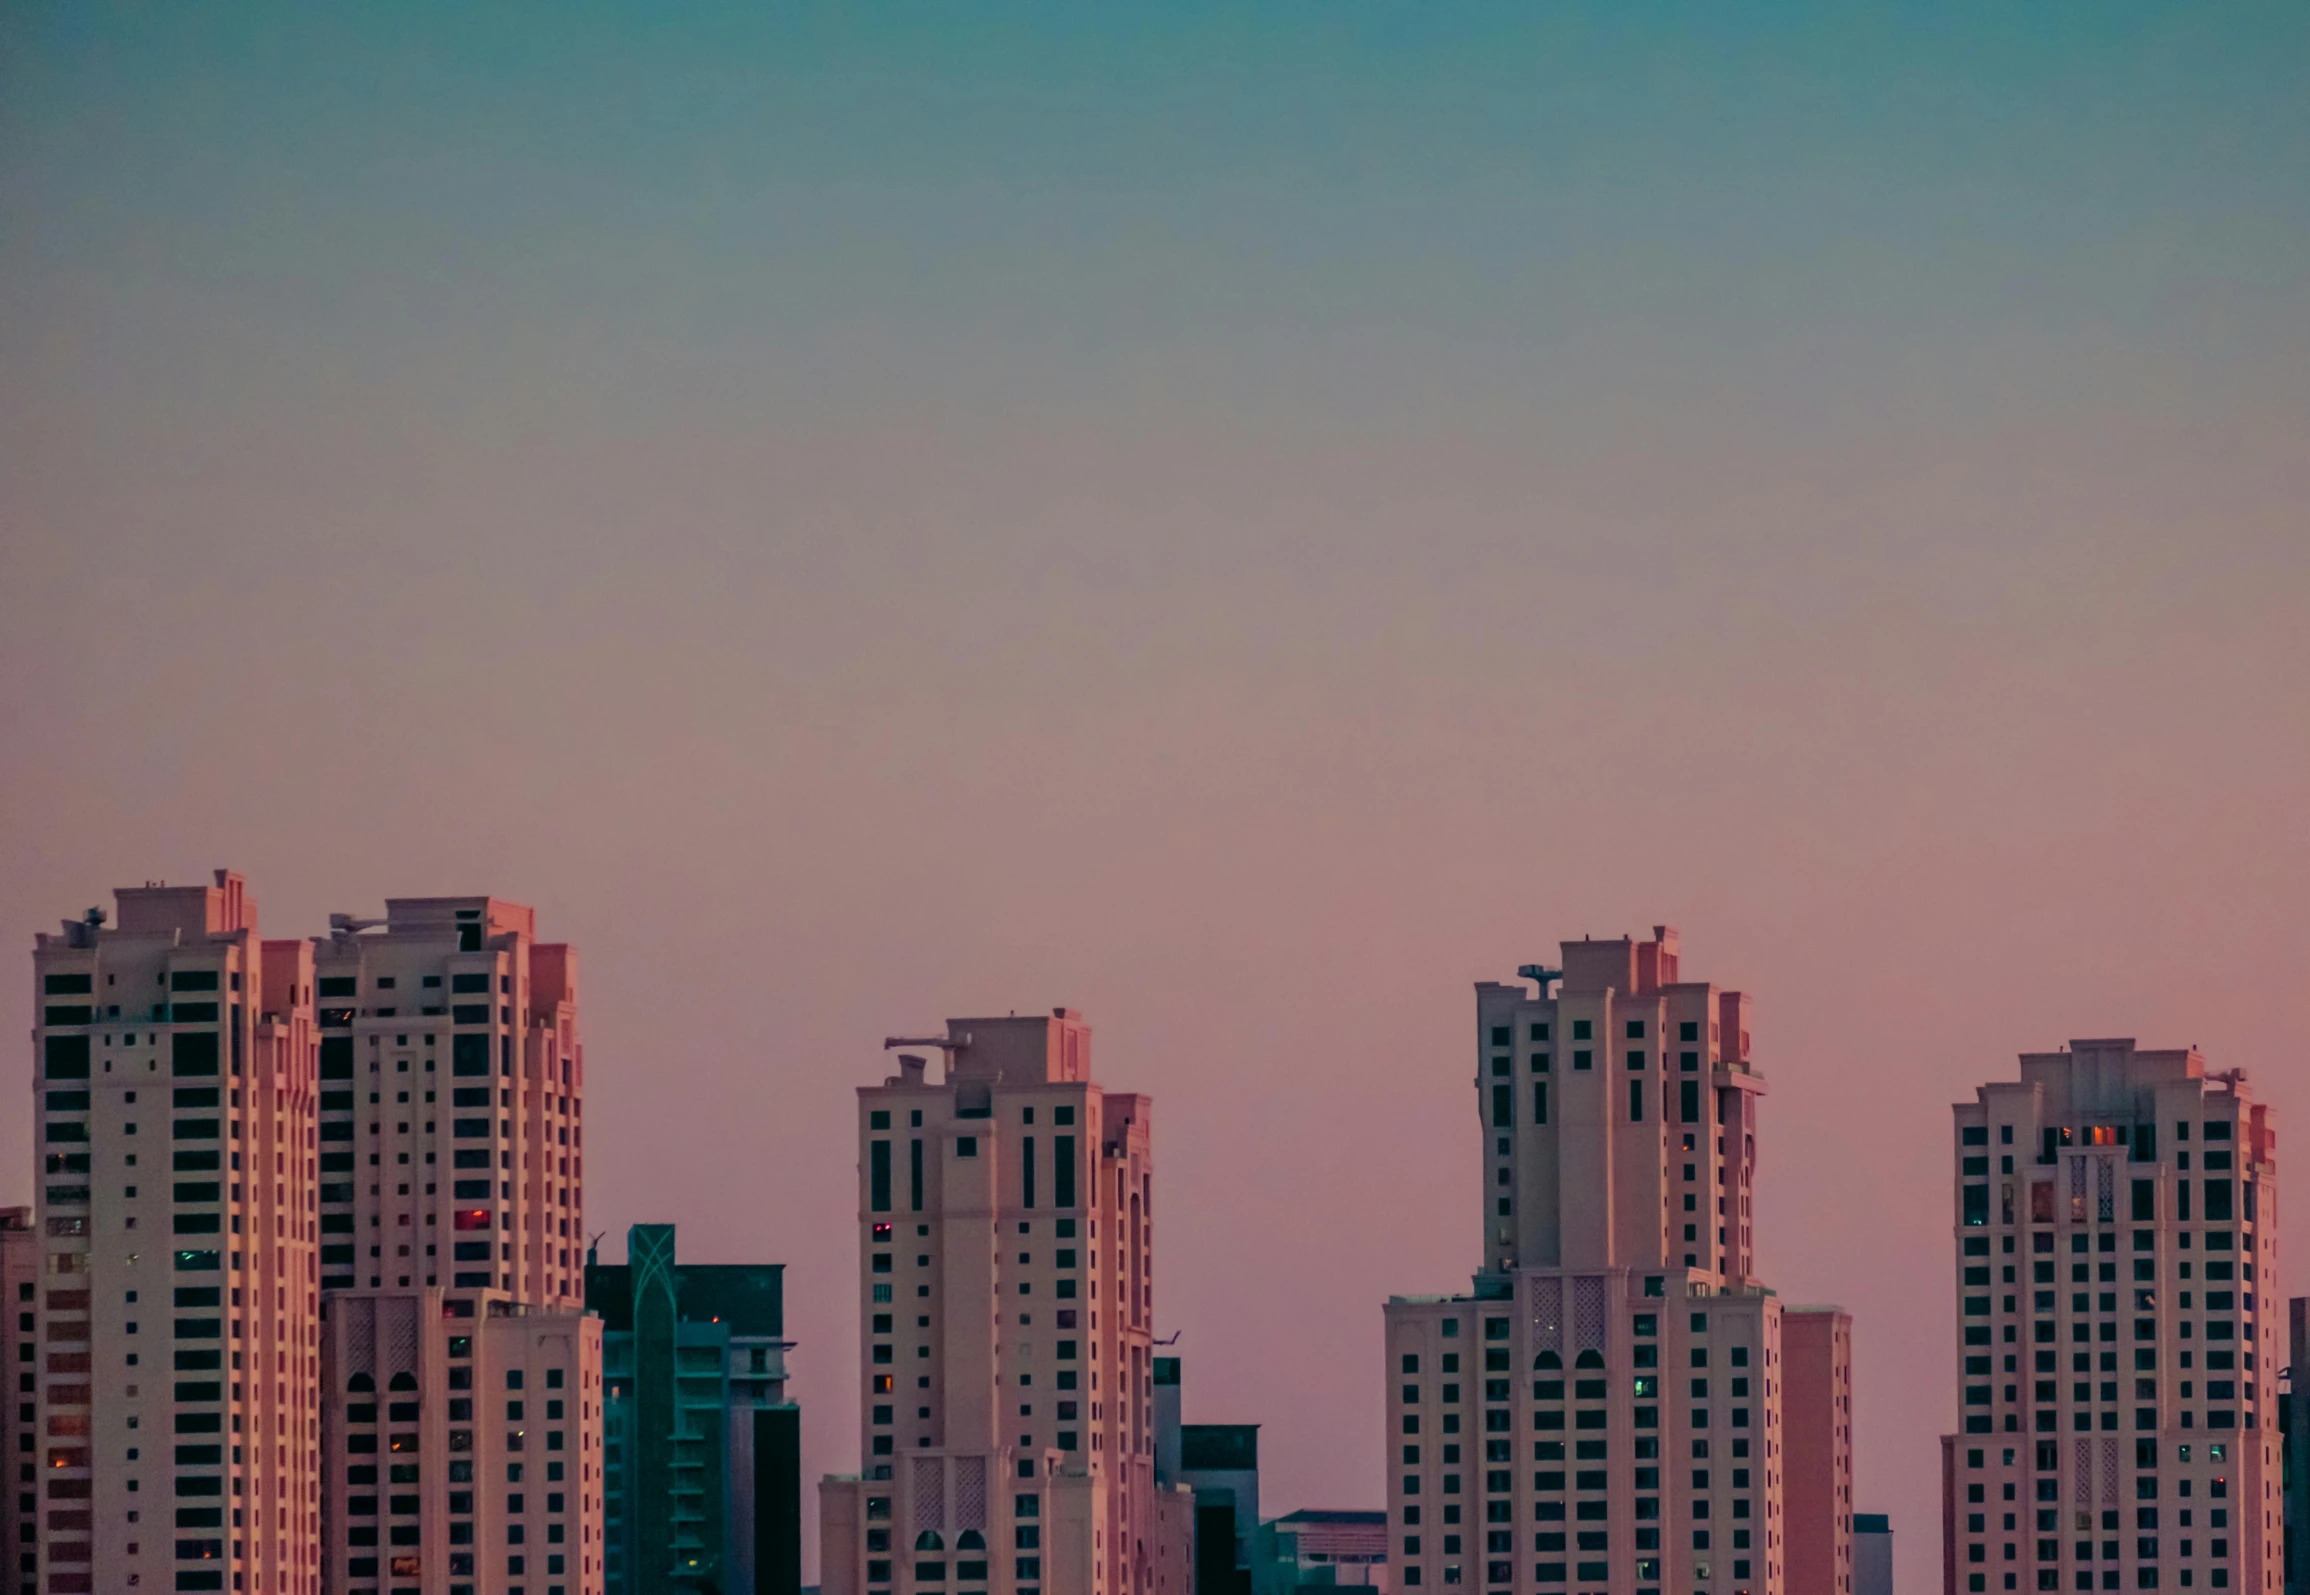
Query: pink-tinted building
(20, 1378)
(178, 1293)
(1603, 1411)
(452, 1103)
(1006, 1313)
(249, 1145)
(452, 1202)
(1817, 1421)
(464, 1448)
(2116, 1224)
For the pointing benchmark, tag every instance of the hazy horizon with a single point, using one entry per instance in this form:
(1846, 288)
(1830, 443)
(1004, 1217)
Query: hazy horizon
(1239, 523)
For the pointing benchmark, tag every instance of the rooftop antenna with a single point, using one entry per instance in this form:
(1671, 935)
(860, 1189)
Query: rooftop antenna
(1540, 973)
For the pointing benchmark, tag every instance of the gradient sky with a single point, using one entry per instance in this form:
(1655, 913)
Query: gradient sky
(1243, 521)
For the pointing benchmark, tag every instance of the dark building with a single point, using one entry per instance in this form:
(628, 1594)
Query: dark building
(2294, 1439)
(701, 1450)
(1220, 1463)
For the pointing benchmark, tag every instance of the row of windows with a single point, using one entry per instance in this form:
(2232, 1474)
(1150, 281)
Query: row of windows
(1642, 1327)
(460, 1502)
(2105, 1240)
(1582, 1030)
(472, 981)
(2052, 1520)
(2145, 1272)
(1646, 1447)
(879, 1118)
(2215, 1207)
(68, 983)
(1647, 1568)
(2094, 1134)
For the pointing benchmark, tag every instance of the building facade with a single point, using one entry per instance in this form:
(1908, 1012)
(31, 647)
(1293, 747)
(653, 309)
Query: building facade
(287, 1186)
(462, 1436)
(20, 1376)
(1006, 1280)
(452, 1103)
(1321, 1549)
(1872, 1554)
(1219, 1469)
(1603, 1410)
(701, 1448)
(178, 1294)
(452, 1198)
(1817, 1418)
(2294, 1428)
(2115, 1214)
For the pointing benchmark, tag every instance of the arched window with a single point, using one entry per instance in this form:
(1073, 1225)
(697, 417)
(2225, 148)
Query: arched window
(403, 1381)
(1548, 1360)
(928, 1540)
(970, 1540)
(361, 1383)
(1589, 1359)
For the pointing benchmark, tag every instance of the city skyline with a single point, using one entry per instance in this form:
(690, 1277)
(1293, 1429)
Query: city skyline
(1237, 524)
(1540, 1209)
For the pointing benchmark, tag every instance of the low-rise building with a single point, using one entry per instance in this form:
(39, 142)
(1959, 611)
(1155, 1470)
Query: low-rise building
(1320, 1549)
(463, 1438)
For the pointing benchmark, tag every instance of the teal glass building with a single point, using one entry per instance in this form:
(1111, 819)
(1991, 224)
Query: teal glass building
(701, 1449)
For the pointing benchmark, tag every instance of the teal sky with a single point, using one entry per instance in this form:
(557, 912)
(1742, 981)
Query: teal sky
(1240, 520)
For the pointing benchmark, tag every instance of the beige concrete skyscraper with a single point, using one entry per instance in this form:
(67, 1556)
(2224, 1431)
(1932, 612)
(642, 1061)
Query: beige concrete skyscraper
(178, 1293)
(1006, 1281)
(307, 1200)
(2116, 1224)
(1603, 1411)
(452, 1103)
(462, 1380)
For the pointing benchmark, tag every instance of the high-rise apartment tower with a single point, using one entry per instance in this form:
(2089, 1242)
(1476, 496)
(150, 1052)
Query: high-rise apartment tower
(1603, 1411)
(2116, 1223)
(464, 1404)
(178, 1293)
(1006, 1277)
(452, 1103)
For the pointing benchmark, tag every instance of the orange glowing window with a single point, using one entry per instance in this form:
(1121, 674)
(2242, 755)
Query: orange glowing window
(472, 1218)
